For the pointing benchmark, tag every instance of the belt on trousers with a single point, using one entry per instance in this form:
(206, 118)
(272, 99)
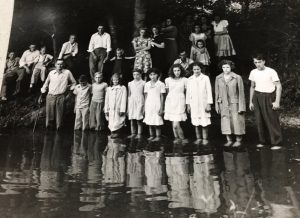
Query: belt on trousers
(57, 95)
(170, 38)
(263, 93)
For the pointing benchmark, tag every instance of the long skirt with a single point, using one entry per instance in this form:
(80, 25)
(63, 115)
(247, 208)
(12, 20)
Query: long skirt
(223, 46)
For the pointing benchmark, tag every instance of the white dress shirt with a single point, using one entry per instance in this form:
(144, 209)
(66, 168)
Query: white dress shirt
(57, 82)
(68, 48)
(28, 57)
(100, 41)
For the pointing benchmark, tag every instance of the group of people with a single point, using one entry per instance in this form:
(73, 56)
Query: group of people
(187, 88)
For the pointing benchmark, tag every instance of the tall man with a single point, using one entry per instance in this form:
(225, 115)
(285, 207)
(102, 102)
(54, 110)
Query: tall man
(99, 48)
(57, 84)
(265, 94)
(69, 52)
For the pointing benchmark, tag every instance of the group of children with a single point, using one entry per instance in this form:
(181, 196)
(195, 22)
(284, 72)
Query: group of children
(153, 102)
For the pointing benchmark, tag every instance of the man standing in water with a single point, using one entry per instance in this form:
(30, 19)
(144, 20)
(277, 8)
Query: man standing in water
(57, 84)
(99, 48)
(265, 94)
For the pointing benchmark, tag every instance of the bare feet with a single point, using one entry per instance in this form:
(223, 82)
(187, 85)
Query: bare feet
(150, 138)
(228, 143)
(131, 136)
(236, 144)
(204, 142)
(138, 136)
(156, 139)
(198, 142)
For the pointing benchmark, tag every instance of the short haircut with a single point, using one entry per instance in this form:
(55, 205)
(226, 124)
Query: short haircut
(171, 72)
(121, 50)
(155, 26)
(73, 35)
(154, 70)
(182, 53)
(201, 40)
(115, 75)
(197, 64)
(43, 47)
(137, 70)
(224, 62)
(259, 56)
(98, 73)
(83, 78)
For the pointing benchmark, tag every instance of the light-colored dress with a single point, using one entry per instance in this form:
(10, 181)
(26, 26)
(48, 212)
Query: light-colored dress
(198, 95)
(142, 58)
(194, 37)
(230, 100)
(136, 100)
(152, 103)
(175, 100)
(115, 102)
(200, 55)
(223, 43)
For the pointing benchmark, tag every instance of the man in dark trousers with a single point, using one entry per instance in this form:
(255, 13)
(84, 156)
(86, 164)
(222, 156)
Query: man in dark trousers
(265, 94)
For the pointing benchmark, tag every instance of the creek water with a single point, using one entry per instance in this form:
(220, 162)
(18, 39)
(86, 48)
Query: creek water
(88, 174)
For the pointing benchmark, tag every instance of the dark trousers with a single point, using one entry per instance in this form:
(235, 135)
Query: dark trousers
(54, 110)
(267, 119)
(96, 64)
(17, 75)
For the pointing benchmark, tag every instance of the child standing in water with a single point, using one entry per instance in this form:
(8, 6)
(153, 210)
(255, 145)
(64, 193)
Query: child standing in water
(175, 101)
(97, 104)
(199, 100)
(200, 54)
(136, 103)
(115, 105)
(230, 103)
(82, 101)
(154, 104)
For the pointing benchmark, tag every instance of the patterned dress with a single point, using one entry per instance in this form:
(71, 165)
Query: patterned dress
(142, 58)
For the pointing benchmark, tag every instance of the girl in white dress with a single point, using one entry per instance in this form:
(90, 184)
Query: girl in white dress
(154, 104)
(115, 105)
(136, 103)
(199, 100)
(222, 40)
(196, 35)
(175, 100)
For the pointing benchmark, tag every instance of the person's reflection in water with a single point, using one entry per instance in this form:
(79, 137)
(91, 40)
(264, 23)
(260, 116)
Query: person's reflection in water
(238, 183)
(113, 167)
(134, 171)
(52, 187)
(178, 178)
(79, 156)
(204, 186)
(271, 180)
(155, 187)
(91, 192)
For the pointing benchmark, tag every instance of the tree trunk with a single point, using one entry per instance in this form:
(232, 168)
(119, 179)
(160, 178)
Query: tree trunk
(139, 15)
(113, 30)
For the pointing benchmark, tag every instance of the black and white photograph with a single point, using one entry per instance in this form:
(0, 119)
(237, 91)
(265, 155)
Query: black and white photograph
(149, 108)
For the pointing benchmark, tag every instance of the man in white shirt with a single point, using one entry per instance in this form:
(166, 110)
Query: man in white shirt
(99, 48)
(69, 52)
(184, 61)
(57, 84)
(265, 94)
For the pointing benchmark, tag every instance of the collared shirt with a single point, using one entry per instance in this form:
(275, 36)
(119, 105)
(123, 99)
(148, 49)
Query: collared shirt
(100, 41)
(28, 57)
(57, 82)
(43, 58)
(68, 48)
(264, 79)
(83, 95)
(185, 64)
(12, 64)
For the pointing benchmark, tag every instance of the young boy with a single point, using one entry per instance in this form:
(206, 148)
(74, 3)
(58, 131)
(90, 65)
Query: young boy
(265, 93)
(97, 104)
(83, 93)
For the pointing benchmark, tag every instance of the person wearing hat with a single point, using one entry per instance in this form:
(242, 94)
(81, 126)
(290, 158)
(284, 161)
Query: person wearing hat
(99, 49)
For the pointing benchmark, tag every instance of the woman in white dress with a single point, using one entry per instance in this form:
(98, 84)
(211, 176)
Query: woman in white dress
(197, 35)
(199, 100)
(175, 101)
(222, 40)
(136, 103)
(154, 104)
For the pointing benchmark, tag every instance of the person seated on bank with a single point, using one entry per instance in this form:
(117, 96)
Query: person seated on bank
(99, 49)
(10, 73)
(69, 52)
(26, 65)
(184, 61)
(58, 82)
(41, 63)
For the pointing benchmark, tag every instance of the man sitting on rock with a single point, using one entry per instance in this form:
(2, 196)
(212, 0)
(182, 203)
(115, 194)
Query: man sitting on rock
(11, 72)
